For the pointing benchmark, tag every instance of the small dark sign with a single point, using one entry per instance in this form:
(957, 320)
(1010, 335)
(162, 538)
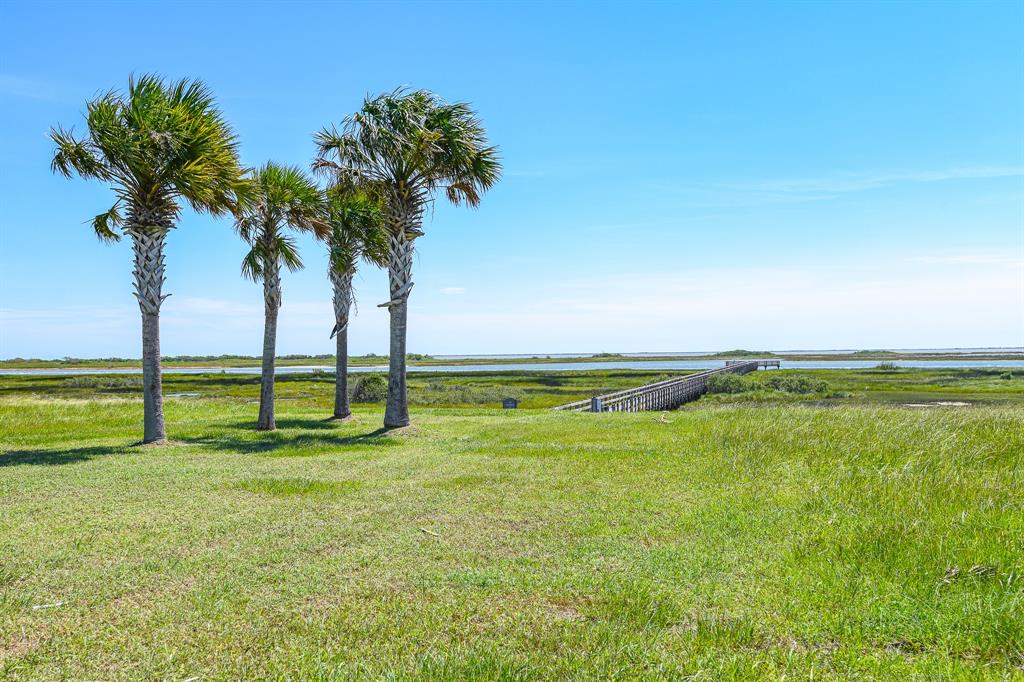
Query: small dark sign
(510, 403)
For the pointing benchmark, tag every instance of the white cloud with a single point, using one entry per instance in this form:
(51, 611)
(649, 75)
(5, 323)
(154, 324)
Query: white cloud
(189, 326)
(453, 291)
(1004, 258)
(871, 305)
(926, 300)
(71, 330)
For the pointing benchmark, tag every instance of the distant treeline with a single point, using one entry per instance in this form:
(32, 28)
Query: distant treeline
(740, 353)
(210, 358)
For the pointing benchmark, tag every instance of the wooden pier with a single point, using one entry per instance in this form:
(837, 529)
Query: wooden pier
(761, 364)
(664, 395)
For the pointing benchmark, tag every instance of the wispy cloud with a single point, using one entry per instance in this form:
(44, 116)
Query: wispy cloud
(858, 182)
(852, 305)
(1007, 258)
(825, 187)
(453, 291)
(69, 330)
(914, 300)
(189, 325)
(71, 315)
(29, 88)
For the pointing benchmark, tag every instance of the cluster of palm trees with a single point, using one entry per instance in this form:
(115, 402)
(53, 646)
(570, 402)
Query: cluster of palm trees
(161, 144)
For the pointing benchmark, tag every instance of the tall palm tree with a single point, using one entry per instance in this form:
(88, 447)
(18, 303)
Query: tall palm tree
(409, 145)
(283, 197)
(357, 232)
(158, 144)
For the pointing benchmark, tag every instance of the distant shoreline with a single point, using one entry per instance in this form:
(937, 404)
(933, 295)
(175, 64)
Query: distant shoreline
(232, 361)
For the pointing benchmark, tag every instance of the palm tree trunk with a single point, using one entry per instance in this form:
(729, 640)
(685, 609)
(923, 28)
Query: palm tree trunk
(148, 247)
(397, 412)
(400, 250)
(271, 304)
(342, 305)
(153, 429)
(342, 409)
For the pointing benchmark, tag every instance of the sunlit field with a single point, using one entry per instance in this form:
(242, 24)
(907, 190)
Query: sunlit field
(833, 537)
(548, 389)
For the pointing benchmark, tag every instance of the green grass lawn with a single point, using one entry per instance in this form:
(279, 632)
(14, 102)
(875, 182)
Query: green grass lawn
(899, 387)
(719, 541)
(547, 389)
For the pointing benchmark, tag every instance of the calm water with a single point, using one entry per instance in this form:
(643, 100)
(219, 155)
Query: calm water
(547, 367)
(1003, 350)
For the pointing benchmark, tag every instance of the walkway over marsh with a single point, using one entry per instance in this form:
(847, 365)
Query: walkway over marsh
(664, 395)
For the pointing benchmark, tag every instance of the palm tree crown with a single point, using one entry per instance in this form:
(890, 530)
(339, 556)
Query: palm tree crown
(356, 224)
(411, 144)
(283, 197)
(156, 144)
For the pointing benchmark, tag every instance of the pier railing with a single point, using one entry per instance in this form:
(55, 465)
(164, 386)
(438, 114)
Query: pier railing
(761, 364)
(663, 395)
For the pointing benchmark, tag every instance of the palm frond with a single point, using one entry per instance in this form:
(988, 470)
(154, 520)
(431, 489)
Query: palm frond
(104, 224)
(252, 264)
(158, 144)
(412, 144)
(280, 197)
(288, 252)
(78, 156)
(357, 223)
(249, 227)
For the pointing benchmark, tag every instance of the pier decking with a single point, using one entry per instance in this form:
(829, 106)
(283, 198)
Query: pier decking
(664, 395)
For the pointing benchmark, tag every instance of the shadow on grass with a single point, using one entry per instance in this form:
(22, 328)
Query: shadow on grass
(273, 441)
(288, 424)
(55, 457)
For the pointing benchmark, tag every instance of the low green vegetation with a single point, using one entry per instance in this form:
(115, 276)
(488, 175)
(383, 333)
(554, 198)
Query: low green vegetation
(745, 541)
(415, 357)
(800, 385)
(730, 383)
(908, 386)
(103, 382)
(772, 386)
(372, 388)
(548, 389)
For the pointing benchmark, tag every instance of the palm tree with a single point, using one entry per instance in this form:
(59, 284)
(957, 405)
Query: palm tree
(157, 144)
(283, 197)
(356, 222)
(409, 145)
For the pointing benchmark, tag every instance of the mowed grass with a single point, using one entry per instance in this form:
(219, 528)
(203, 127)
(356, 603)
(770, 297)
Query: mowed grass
(719, 542)
(538, 390)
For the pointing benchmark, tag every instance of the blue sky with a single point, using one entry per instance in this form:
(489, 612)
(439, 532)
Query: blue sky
(678, 176)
